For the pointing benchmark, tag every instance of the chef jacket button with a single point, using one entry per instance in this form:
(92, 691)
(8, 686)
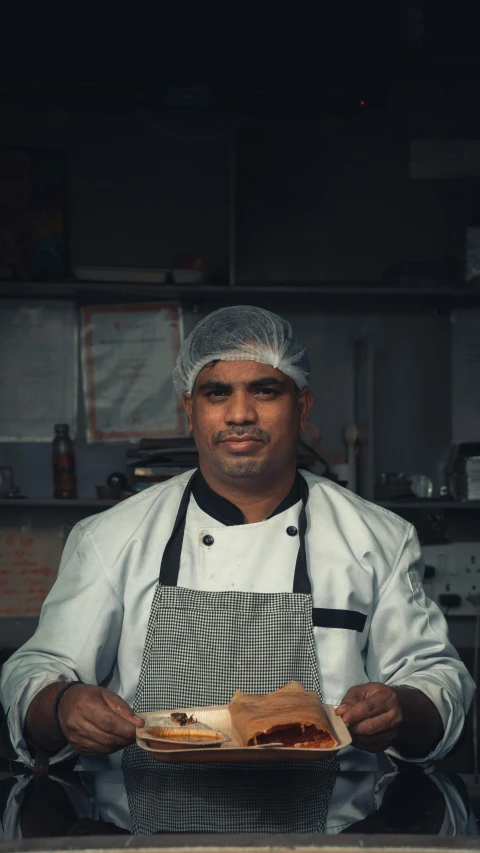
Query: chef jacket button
(292, 531)
(208, 540)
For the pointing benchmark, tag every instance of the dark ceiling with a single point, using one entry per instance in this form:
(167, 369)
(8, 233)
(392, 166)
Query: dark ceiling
(251, 61)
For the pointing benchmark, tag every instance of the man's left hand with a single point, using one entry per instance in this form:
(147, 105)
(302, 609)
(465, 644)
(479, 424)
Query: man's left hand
(373, 715)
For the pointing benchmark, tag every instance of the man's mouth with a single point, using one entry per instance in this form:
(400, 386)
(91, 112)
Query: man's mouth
(239, 439)
(238, 443)
(242, 441)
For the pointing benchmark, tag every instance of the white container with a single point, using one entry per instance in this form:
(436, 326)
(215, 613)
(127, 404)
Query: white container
(346, 473)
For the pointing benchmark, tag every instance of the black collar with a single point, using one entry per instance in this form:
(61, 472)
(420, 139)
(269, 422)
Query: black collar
(227, 513)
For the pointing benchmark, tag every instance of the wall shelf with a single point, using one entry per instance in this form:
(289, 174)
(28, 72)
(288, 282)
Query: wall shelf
(341, 293)
(429, 504)
(51, 503)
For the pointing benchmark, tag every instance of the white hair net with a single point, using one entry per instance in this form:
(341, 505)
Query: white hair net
(241, 333)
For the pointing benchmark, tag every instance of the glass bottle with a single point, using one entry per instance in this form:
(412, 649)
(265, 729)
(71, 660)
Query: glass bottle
(63, 463)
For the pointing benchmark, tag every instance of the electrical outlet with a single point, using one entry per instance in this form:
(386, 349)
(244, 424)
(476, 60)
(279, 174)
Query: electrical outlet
(453, 569)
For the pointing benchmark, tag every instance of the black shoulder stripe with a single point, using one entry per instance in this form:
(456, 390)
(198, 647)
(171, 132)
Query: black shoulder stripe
(326, 618)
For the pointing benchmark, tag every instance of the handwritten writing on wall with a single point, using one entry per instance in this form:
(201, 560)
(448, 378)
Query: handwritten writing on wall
(29, 561)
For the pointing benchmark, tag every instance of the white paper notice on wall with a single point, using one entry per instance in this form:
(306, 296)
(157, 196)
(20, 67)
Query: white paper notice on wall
(465, 376)
(38, 369)
(29, 561)
(128, 355)
(444, 158)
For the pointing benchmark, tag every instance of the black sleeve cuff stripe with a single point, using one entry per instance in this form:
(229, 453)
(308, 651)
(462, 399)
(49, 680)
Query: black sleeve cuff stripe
(351, 619)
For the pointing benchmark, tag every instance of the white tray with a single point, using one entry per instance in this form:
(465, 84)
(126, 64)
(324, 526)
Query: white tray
(218, 718)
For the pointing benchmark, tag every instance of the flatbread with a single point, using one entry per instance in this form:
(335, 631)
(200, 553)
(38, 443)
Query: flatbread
(291, 716)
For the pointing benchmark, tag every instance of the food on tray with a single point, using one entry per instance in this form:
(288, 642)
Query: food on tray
(174, 733)
(171, 733)
(181, 718)
(291, 716)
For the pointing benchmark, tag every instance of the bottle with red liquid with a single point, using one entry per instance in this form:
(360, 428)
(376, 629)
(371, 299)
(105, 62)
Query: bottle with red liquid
(63, 463)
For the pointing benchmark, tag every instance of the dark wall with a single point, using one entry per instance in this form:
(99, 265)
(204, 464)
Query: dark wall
(330, 198)
(142, 186)
(318, 198)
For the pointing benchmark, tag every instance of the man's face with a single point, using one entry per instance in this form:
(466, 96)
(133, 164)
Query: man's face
(245, 418)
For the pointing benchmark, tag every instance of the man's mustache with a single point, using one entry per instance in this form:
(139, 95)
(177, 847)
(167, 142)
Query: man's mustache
(237, 432)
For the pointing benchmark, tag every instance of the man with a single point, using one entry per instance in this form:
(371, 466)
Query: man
(244, 576)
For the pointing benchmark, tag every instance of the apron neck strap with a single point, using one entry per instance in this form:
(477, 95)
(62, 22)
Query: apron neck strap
(170, 565)
(301, 581)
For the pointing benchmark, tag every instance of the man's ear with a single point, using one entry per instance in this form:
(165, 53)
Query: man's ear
(305, 403)
(187, 403)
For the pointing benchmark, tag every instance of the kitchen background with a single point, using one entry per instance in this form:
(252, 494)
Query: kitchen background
(345, 204)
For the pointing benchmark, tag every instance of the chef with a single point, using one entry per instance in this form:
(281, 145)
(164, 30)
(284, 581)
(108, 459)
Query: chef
(244, 574)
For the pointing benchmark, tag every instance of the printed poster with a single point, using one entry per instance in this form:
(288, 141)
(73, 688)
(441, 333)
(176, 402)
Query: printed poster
(129, 352)
(38, 369)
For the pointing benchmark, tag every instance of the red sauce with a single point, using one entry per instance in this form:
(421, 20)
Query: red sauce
(309, 738)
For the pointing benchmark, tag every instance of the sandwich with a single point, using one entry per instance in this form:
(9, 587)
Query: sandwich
(290, 716)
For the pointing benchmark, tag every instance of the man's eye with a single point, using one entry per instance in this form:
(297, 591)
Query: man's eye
(217, 394)
(264, 392)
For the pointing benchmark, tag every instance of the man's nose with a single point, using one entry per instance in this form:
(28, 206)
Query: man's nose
(240, 409)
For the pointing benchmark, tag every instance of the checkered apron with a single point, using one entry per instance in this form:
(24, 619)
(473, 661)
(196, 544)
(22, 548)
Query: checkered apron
(200, 648)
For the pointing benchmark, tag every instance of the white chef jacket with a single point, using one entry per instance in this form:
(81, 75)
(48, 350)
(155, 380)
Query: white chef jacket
(360, 558)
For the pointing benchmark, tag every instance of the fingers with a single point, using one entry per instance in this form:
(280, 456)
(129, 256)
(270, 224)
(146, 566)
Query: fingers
(376, 743)
(375, 725)
(120, 707)
(97, 721)
(110, 722)
(355, 694)
(368, 709)
(90, 739)
(368, 700)
(373, 715)
(107, 725)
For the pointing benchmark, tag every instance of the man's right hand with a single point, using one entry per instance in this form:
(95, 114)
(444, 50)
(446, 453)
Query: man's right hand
(96, 721)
